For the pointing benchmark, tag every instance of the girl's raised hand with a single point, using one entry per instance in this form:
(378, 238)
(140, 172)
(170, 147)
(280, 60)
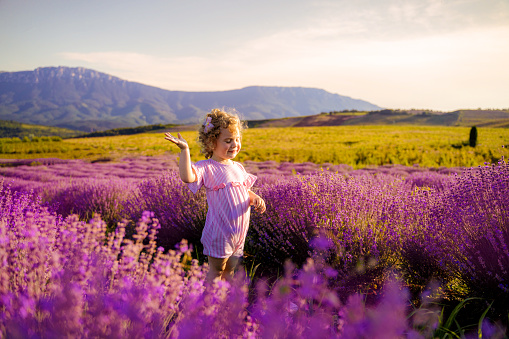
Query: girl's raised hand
(180, 142)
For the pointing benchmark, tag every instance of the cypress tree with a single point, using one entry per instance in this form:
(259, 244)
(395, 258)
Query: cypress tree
(473, 136)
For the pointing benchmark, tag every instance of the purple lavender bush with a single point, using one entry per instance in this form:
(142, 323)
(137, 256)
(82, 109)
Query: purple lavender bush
(66, 278)
(180, 212)
(461, 237)
(361, 214)
(77, 287)
(430, 179)
(83, 188)
(88, 197)
(14, 203)
(474, 221)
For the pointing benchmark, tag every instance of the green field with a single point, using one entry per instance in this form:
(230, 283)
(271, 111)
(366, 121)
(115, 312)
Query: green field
(9, 129)
(358, 146)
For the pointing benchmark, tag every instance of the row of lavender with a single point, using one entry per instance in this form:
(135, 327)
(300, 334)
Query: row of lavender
(453, 229)
(77, 186)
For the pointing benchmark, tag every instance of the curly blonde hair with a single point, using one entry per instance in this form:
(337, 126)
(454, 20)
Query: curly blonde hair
(208, 135)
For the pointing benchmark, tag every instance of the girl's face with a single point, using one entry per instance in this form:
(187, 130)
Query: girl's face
(227, 146)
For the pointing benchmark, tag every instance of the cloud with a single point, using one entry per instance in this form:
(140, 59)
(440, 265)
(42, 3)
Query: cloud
(428, 54)
(404, 19)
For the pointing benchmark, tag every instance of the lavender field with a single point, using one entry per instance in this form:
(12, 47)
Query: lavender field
(111, 249)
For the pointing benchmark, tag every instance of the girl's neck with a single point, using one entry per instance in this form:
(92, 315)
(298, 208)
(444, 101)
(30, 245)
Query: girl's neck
(222, 161)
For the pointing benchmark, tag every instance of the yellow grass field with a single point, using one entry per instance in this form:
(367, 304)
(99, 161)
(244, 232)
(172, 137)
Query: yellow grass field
(358, 146)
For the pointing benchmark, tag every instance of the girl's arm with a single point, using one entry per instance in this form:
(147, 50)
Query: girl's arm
(186, 171)
(256, 201)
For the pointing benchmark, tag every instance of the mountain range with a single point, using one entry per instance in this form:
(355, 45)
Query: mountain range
(87, 100)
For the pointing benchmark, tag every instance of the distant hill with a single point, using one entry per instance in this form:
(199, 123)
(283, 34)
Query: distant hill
(87, 100)
(479, 118)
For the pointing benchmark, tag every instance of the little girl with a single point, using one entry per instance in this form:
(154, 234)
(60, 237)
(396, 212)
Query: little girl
(228, 190)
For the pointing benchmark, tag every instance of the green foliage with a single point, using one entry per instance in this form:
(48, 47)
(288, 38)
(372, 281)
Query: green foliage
(127, 130)
(345, 112)
(473, 137)
(455, 327)
(10, 129)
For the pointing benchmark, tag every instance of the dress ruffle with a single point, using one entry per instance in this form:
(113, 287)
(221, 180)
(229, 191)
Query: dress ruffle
(246, 184)
(195, 186)
(249, 181)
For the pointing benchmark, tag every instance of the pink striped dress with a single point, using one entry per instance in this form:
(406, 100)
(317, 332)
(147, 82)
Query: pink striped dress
(228, 212)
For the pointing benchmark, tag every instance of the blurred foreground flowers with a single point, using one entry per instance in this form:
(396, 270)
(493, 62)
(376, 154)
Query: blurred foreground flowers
(65, 278)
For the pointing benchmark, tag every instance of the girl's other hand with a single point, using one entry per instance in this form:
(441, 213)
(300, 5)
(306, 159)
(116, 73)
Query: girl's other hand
(259, 204)
(180, 142)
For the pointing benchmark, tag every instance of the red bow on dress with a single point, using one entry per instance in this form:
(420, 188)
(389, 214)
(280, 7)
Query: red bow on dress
(221, 185)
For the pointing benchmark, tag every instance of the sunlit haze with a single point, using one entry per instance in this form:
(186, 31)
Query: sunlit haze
(440, 55)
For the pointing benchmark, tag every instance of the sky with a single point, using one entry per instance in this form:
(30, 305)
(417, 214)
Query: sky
(440, 55)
